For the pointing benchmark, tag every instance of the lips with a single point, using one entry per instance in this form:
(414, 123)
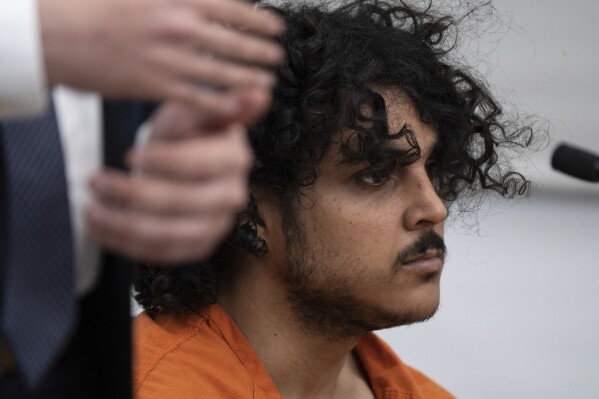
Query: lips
(430, 254)
(430, 261)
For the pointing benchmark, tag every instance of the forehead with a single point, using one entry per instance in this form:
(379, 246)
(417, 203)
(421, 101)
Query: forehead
(401, 112)
(402, 116)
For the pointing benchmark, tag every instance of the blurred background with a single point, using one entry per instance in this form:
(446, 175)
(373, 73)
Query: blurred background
(519, 316)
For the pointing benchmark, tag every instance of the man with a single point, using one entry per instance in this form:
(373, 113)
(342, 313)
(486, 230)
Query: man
(372, 134)
(64, 314)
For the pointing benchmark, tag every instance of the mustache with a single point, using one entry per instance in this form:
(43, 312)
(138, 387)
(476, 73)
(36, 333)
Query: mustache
(427, 241)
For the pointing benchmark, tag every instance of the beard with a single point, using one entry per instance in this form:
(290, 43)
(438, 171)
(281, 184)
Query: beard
(329, 306)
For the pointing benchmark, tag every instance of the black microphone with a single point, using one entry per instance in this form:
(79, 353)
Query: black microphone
(576, 162)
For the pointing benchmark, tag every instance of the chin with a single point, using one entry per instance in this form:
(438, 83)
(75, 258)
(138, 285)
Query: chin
(419, 306)
(425, 311)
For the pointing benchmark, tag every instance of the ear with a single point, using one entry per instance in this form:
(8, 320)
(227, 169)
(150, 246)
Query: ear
(262, 221)
(250, 229)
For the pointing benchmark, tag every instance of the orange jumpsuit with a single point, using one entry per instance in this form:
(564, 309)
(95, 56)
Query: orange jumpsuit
(207, 357)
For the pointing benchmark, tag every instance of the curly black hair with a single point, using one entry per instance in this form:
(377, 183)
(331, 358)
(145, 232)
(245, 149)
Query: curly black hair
(336, 58)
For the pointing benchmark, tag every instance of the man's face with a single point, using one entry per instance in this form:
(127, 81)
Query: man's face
(347, 264)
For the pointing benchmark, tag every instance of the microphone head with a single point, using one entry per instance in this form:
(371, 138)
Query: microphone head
(576, 162)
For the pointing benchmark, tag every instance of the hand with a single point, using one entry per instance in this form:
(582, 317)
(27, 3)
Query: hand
(160, 49)
(187, 185)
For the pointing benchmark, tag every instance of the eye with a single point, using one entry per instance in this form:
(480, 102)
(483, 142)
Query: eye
(374, 177)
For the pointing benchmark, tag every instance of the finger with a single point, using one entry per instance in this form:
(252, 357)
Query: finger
(156, 239)
(235, 45)
(193, 66)
(240, 13)
(162, 197)
(196, 157)
(178, 120)
(214, 104)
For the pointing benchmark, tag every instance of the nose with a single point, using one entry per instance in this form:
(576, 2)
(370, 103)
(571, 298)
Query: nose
(426, 209)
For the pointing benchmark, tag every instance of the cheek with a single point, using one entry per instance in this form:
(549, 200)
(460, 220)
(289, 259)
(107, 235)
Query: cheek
(353, 234)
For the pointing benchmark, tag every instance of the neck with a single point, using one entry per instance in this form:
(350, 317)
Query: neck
(302, 364)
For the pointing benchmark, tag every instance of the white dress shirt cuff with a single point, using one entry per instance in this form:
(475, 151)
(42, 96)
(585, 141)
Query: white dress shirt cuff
(22, 76)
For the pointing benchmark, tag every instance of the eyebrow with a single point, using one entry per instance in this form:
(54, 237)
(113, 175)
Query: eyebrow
(404, 155)
(407, 131)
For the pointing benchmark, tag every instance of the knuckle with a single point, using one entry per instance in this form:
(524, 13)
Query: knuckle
(175, 25)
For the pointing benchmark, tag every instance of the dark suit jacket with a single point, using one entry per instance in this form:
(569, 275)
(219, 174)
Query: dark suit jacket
(100, 352)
